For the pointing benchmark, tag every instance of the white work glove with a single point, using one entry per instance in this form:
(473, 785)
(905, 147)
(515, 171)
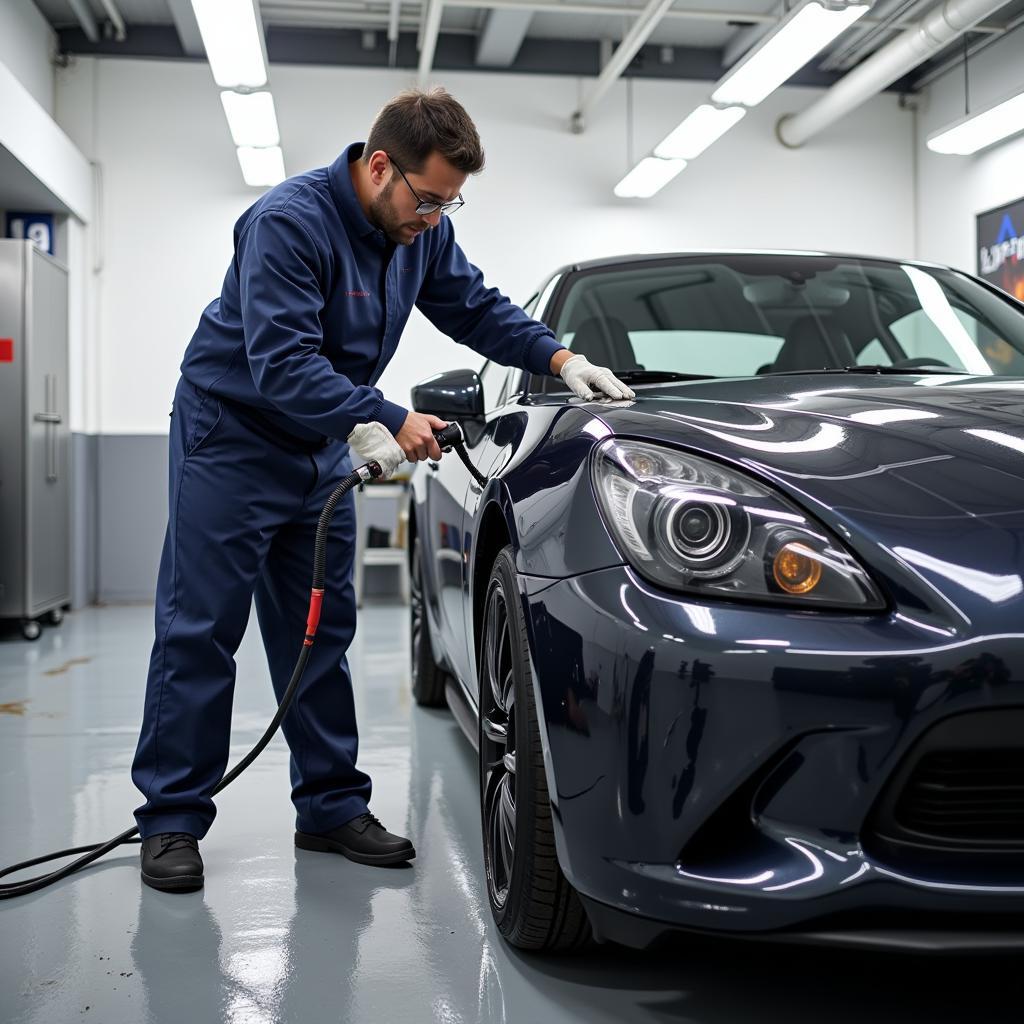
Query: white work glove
(588, 381)
(373, 442)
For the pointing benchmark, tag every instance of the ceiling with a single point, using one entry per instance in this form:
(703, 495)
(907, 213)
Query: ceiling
(706, 36)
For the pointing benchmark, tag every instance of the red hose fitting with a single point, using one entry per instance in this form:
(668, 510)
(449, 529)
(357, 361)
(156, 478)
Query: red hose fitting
(313, 618)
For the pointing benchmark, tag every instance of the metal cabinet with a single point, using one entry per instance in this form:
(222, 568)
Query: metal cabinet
(35, 493)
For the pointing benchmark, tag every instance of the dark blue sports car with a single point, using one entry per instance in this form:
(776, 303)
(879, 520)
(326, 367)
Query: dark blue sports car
(744, 655)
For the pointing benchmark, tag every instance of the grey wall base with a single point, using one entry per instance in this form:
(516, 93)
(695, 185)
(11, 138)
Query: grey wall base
(120, 516)
(84, 519)
(132, 484)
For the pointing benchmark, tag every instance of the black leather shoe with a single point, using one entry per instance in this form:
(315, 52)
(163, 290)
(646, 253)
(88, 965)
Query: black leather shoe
(363, 839)
(171, 862)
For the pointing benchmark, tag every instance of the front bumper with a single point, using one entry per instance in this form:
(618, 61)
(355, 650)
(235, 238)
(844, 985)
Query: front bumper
(716, 767)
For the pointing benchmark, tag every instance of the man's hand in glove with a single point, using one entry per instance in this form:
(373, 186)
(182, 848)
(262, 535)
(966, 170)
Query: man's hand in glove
(373, 442)
(588, 381)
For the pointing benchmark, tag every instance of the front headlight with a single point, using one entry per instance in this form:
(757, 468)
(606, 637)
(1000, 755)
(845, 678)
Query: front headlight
(691, 524)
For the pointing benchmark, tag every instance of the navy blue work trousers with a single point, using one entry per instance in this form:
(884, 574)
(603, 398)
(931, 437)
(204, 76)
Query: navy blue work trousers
(242, 521)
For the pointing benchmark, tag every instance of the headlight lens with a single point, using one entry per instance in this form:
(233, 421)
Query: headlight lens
(691, 524)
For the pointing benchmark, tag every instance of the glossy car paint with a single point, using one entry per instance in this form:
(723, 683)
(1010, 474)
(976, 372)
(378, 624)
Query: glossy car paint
(714, 764)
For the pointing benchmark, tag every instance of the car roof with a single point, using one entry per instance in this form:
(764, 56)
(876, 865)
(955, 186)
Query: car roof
(656, 257)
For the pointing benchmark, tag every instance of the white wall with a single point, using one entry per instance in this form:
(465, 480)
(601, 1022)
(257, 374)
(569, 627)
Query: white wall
(952, 190)
(172, 191)
(27, 44)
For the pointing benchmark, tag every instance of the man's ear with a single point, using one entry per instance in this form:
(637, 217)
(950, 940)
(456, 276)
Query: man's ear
(379, 166)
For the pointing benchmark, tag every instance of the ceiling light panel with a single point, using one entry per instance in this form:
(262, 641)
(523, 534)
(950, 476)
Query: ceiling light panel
(785, 51)
(233, 41)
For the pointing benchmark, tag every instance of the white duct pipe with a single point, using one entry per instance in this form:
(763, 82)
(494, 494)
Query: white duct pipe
(83, 12)
(394, 13)
(431, 29)
(936, 31)
(115, 19)
(642, 28)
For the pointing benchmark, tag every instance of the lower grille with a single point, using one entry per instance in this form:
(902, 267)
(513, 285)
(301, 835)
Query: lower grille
(959, 789)
(971, 797)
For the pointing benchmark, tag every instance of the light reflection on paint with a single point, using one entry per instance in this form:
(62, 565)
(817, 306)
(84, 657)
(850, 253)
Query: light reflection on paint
(880, 417)
(817, 868)
(701, 618)
(991, 586)
(629, 611)
(999, 437)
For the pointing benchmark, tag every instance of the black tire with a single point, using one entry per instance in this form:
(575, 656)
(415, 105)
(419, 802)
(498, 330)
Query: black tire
(31, 629)
(533, 904)
(428, 678)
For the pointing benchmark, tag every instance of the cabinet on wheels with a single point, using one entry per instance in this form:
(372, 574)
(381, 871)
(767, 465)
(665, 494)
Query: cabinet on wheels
(35, 440)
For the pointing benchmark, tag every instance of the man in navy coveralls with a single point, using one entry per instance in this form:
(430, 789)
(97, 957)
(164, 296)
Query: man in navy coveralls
(276, 392)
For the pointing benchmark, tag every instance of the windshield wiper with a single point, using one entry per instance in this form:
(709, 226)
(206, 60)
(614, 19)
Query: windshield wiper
(657, 376)
(905, 371)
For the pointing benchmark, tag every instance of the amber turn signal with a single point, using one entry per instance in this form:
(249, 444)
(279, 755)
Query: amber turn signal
(796, 568)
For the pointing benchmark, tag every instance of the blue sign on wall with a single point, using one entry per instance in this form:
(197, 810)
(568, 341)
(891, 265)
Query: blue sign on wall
(36, 226)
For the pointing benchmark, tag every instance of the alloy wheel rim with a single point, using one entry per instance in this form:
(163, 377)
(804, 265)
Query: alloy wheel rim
(498, 747)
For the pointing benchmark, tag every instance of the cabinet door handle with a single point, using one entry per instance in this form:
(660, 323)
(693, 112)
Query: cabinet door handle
(51, 418)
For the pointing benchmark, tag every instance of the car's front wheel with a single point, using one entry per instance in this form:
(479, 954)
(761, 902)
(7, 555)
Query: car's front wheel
(533, 904)
(428, 678)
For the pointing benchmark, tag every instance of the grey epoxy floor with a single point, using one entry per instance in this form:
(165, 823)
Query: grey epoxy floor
(283, 936)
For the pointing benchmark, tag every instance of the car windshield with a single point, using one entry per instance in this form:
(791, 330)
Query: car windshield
(743, 315)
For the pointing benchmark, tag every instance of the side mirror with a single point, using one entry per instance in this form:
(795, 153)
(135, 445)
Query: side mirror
(453, 395)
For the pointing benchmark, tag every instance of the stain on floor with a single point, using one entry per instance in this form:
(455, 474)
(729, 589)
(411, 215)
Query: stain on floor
(61, 669)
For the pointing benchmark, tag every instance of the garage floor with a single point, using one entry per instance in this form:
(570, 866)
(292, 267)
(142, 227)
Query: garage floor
(283, 936)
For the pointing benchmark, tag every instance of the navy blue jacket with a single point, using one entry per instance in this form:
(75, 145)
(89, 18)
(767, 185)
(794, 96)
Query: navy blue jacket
(315, 301)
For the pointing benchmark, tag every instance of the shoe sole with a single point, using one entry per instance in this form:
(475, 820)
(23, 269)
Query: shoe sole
(179, 883)
(321, 844)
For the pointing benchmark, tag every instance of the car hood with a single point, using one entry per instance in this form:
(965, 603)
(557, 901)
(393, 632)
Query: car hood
(926, 472)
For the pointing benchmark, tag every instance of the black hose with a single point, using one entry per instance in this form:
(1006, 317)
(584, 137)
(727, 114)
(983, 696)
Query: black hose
(450, 436)
(8, 890)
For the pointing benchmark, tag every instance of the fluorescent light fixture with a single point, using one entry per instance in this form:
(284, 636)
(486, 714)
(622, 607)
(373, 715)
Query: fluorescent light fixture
(233, 41)
(705, 125)
(650, 175)
(785, 51)
(261, 166)
(977, 131)
(251, 118)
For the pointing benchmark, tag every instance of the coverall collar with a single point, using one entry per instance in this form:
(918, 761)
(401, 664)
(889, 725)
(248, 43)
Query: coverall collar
(345, 195)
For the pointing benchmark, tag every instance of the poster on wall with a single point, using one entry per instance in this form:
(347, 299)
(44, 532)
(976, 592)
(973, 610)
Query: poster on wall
(1001, 247)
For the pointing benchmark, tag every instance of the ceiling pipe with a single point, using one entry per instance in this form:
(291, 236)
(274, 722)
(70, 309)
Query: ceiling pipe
(394, 17)
(935, 32)
(431, 28)
(83, 12)
(115, 19)
(642, 28)
(862, 40)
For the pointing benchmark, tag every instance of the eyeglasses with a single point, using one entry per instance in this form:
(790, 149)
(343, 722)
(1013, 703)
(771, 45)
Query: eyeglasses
(426, 208)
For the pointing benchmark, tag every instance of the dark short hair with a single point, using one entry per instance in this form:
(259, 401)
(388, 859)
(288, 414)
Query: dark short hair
(415, 124)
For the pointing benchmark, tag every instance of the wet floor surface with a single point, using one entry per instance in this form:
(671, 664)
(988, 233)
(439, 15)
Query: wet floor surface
(280, 935)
